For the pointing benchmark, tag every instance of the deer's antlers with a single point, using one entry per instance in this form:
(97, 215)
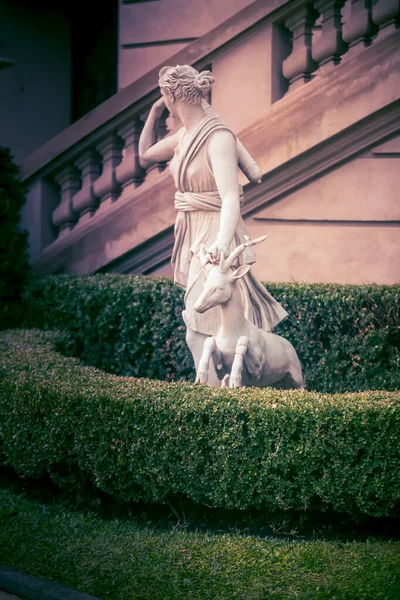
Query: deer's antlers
(226, 263)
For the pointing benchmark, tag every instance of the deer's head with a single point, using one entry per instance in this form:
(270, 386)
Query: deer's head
(221, 277)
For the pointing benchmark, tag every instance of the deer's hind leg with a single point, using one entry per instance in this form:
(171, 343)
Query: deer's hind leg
(218, 362)
(254, 361)
(291, 381)
(225, 381)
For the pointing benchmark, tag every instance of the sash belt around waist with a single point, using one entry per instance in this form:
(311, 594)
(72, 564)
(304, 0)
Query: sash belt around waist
(190, 201)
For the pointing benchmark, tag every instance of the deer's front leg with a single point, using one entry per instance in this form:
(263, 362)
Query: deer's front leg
(202, 371)
(236, 379)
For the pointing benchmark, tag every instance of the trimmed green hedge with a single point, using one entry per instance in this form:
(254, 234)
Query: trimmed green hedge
(347, 337)
(149, 440)
(127, 325)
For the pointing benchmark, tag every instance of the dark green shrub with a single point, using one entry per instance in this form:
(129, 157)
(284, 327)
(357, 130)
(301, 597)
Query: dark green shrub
(143, 439)
(347, 337)
(130, 325)
(14, 265)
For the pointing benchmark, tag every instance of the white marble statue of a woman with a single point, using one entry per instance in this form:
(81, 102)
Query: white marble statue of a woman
(204, 155)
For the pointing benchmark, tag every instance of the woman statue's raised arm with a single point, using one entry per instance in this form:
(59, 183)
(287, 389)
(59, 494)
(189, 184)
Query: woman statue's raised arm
(150, 149)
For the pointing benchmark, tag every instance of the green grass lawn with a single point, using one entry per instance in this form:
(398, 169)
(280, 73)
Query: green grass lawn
(121, 560)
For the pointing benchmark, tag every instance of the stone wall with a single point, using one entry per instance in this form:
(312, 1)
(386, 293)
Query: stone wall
(150, 31)
(325, 133)
(35, 94)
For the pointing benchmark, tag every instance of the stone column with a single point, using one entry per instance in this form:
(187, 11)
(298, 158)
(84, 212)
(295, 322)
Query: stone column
(299, 66)
(358, 30)
(106, 187)
(386, 14)
(64, 216)
(329, 46)
(42, 198)
(85, 202)
(129, 173)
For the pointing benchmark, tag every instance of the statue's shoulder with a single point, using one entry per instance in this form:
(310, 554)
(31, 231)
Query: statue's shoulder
(215, 128)
(221, 139)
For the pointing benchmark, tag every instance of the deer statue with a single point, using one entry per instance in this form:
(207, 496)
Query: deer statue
(243, 354)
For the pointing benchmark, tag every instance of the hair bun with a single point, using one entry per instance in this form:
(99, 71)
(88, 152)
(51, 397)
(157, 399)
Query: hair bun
(203, 81)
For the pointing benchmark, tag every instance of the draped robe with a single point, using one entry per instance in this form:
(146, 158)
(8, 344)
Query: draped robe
(198, 203)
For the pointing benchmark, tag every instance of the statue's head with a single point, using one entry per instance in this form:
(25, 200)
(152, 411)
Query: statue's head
(184, 83)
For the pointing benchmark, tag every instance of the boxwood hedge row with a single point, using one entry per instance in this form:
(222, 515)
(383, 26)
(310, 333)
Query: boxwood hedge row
(143, 439)
(347, 337)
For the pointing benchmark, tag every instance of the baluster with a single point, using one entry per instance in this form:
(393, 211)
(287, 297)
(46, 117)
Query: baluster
(129, 173)
(106, 187)
(359, 28)
(299, 66)
(327, 49)
(64, 216)
(85, 202)
(386, 14)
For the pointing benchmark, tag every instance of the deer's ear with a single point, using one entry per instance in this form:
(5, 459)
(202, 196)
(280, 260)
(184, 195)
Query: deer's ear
(240, 272)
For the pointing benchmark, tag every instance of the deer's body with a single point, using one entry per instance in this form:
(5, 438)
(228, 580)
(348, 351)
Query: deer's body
(242, 353)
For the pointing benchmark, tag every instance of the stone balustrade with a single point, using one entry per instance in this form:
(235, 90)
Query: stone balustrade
(340, 37)
(101, 169)
(92, 181)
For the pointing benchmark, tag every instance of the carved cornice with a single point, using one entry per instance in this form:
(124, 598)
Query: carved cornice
(281, 181)
(300, 170)
(152, 253)
(374, 72)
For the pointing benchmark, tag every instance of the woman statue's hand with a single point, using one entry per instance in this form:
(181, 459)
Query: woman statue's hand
(214, 252)
(159, 106)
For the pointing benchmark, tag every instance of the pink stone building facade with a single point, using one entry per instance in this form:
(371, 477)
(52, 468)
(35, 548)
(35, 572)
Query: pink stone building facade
(312, 89)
